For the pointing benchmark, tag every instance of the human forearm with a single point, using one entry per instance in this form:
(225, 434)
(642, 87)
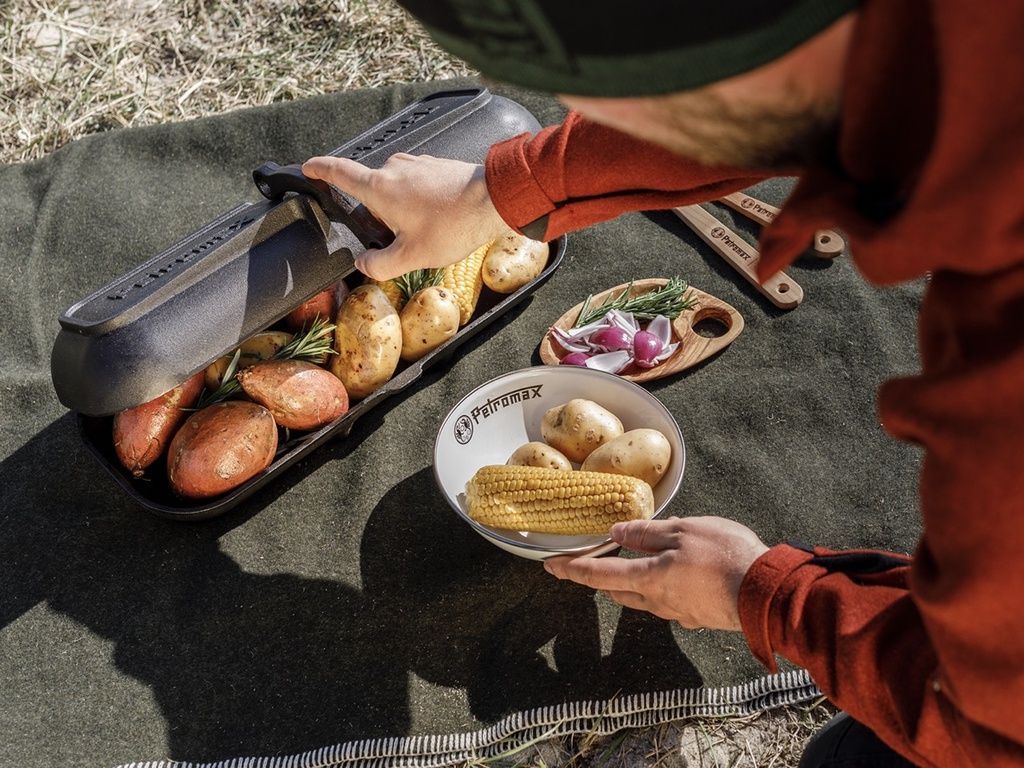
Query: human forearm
(848, 619)
(565, 178)
(580, 173)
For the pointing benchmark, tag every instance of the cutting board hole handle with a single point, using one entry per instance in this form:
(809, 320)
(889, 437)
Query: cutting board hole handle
(711, 324)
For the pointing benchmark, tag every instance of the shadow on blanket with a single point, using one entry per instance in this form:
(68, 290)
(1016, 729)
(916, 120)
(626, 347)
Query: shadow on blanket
(217, 645)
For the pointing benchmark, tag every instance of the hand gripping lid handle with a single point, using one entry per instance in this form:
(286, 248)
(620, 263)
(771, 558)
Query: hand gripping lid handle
(274, 181)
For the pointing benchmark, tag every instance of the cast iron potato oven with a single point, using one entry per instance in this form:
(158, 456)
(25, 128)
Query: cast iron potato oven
(154, 327)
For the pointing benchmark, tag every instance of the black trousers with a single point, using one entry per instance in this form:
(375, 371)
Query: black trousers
(845, 743)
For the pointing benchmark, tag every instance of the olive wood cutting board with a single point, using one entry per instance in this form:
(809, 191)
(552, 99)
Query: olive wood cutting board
(694, 347)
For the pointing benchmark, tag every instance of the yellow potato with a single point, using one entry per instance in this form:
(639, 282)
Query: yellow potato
(538, 454)
(512, 261)
(641, 453)
(429, 319)
(261, 346)
(368, 340)
(578, 427)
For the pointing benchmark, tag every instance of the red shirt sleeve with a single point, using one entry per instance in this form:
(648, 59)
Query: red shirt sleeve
(579, 173)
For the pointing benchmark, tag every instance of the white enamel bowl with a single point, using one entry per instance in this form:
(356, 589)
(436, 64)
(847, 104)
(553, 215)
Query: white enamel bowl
(489, 423)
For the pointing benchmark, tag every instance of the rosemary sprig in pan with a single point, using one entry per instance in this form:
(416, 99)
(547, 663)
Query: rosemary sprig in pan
(417, 280)
(669, 300)
(313, 346)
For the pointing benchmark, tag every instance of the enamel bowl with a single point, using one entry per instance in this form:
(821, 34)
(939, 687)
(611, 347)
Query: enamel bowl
(497, 417)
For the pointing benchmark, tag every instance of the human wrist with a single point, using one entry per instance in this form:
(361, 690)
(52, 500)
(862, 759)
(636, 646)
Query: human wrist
(513, 190)
(490, 221)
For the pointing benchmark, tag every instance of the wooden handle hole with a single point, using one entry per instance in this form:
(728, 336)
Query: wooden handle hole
(711, 322)
(710, 328)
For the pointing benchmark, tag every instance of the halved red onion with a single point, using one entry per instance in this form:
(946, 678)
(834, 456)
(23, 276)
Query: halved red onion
(611, 338)
(612, 362)
(576, 358)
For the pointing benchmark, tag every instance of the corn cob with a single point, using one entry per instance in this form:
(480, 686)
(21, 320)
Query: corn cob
(465, 279)
(392, 290)
(543, 500)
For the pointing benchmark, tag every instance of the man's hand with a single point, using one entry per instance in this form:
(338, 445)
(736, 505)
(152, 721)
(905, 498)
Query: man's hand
(692, 575)
(439, 209)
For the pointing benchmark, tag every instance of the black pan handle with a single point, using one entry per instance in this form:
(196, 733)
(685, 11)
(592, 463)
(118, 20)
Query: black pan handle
(274, 181)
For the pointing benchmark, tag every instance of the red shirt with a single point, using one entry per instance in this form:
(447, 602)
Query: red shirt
(929, 179)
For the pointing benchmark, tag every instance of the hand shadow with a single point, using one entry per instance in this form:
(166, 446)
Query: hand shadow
(498, 625)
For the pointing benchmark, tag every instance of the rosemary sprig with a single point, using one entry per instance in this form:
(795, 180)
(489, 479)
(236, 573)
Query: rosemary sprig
(229, 385)
(418, 279)
(312, 346)
(669, 300)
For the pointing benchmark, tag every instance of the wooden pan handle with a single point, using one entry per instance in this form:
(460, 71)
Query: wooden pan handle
(752, 208)
(827, 242)
(781, 290)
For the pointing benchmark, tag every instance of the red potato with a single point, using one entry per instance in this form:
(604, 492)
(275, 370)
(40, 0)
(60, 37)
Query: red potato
(299, 395)
(324, 305)
(220, 447)
(141, 434)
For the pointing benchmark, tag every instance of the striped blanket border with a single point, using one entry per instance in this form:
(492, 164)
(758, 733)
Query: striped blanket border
(523, 728)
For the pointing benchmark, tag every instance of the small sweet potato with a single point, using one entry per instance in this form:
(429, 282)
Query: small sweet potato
(299, 394)
(220, 447)
(141, 434)
(324, 306)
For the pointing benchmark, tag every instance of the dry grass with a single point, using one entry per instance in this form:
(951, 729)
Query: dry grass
(772, 739)
(74, 67)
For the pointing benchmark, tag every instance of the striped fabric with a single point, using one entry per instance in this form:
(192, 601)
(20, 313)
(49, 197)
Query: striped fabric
(519, 731)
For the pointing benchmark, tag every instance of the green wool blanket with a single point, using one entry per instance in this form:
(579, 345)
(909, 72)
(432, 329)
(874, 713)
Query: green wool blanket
(344, 615)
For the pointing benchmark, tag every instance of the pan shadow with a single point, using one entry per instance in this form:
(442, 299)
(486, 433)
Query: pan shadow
(243, 663)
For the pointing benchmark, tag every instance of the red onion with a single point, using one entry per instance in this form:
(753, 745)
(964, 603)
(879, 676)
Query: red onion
(576, 358)
(616, 341)
(611, 339)
(646, 349)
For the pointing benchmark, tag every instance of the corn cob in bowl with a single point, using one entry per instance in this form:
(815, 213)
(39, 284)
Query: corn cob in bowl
(482, 431)
(542, 500)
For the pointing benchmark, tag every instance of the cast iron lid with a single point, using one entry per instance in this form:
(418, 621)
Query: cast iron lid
(152, 328)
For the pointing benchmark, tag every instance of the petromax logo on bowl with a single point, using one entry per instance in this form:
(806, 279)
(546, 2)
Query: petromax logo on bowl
(463, 429)
(464, 424)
